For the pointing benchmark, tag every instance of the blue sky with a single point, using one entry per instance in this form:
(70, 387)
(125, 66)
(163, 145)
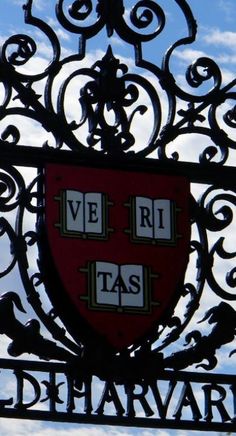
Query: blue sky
(216, 38)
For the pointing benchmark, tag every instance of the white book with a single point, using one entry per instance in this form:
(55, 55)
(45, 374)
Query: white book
(119, 285)
(153, 219)
(83, 213)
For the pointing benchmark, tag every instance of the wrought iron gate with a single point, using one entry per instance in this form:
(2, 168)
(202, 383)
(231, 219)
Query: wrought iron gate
(91, 114)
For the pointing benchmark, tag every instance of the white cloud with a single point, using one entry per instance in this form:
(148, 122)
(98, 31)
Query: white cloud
(39, 4)
(228, 9)
(18, 2)
(188, 55)
(61, 34)
(221, 38)
(117, 41)
(17, 427)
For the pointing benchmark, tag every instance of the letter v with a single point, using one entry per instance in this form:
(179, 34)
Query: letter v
(162, 407)
(74, 211)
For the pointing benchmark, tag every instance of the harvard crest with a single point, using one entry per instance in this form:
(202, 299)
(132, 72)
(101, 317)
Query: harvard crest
(119, 241)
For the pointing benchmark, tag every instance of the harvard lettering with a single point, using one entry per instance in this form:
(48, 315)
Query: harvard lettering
(159, 403)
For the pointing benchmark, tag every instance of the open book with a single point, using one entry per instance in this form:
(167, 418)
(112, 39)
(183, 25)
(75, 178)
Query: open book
(83, 214)
(119, 286)
(152, 219)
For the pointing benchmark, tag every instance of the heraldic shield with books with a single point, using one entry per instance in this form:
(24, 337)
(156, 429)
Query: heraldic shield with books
(118, 243)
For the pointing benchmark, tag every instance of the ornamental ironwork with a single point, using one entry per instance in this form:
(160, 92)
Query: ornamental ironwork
(123, 320)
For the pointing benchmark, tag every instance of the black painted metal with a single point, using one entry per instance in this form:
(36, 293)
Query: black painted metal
(65, 394)
(110, 86)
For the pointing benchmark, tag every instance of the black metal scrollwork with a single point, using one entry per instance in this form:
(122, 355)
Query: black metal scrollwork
(206, 217)
(188, 112)
(110, 98)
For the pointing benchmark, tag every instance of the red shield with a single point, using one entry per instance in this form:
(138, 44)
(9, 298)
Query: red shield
(119, 241)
